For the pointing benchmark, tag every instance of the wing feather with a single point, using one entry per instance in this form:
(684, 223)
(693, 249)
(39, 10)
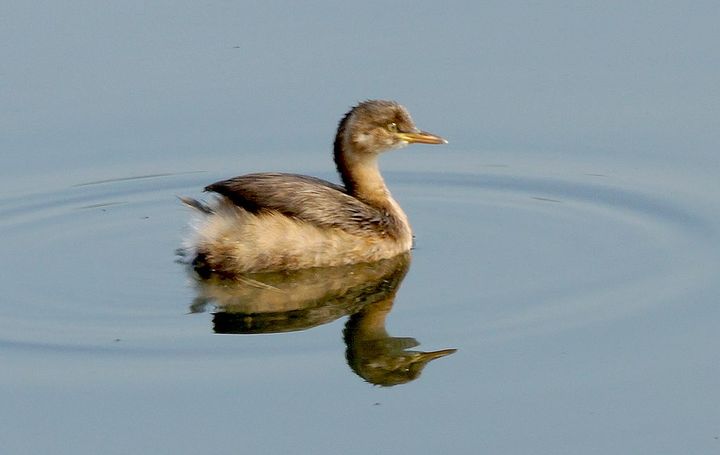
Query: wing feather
(306, 198)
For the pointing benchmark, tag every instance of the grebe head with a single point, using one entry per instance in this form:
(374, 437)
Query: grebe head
(376, 126)
(368, 129)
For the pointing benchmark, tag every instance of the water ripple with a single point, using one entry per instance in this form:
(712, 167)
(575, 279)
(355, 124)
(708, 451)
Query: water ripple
(93, 262)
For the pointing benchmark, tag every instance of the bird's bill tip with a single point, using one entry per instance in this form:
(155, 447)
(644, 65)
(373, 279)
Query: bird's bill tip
(422, 137)
(428, 356)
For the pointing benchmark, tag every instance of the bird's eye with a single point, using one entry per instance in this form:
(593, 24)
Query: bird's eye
(392, 127)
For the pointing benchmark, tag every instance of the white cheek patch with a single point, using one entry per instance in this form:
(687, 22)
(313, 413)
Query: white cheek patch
(363, 139)
(368, 141)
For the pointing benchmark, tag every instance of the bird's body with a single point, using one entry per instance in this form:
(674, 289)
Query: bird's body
(273, 222)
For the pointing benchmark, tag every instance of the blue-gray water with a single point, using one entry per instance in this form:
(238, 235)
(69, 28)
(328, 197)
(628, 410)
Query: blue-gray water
(566, 238)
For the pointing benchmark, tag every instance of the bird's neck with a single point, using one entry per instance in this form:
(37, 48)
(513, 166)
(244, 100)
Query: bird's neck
(359, 168)
(361, 176)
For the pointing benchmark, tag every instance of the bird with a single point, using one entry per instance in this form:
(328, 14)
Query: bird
(274, 222)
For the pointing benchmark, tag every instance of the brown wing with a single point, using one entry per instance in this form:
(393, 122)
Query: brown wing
(306, 198)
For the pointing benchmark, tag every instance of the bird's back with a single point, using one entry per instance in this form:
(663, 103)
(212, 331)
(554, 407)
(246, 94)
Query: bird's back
(305, 198)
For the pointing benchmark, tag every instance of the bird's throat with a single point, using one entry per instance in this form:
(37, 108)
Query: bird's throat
(362, 179)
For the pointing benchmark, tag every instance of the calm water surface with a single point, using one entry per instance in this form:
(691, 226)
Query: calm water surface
(579, 299)
(563, 294)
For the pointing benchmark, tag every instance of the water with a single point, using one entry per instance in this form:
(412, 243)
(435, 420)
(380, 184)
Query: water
(578, 303)
(566, 254)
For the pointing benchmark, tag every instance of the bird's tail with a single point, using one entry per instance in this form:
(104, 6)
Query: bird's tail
(197, 205)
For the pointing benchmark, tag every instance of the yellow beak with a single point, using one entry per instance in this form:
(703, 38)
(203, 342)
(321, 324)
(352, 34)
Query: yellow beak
(421, 137)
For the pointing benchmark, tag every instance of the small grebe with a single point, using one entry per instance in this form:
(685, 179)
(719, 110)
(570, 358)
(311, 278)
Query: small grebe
(273, 222)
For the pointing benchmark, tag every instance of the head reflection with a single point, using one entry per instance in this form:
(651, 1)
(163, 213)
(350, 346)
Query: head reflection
(376, 356)
(300, 300)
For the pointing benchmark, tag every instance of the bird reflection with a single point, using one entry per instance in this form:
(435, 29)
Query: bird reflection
(376, 356)
(299, 300)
